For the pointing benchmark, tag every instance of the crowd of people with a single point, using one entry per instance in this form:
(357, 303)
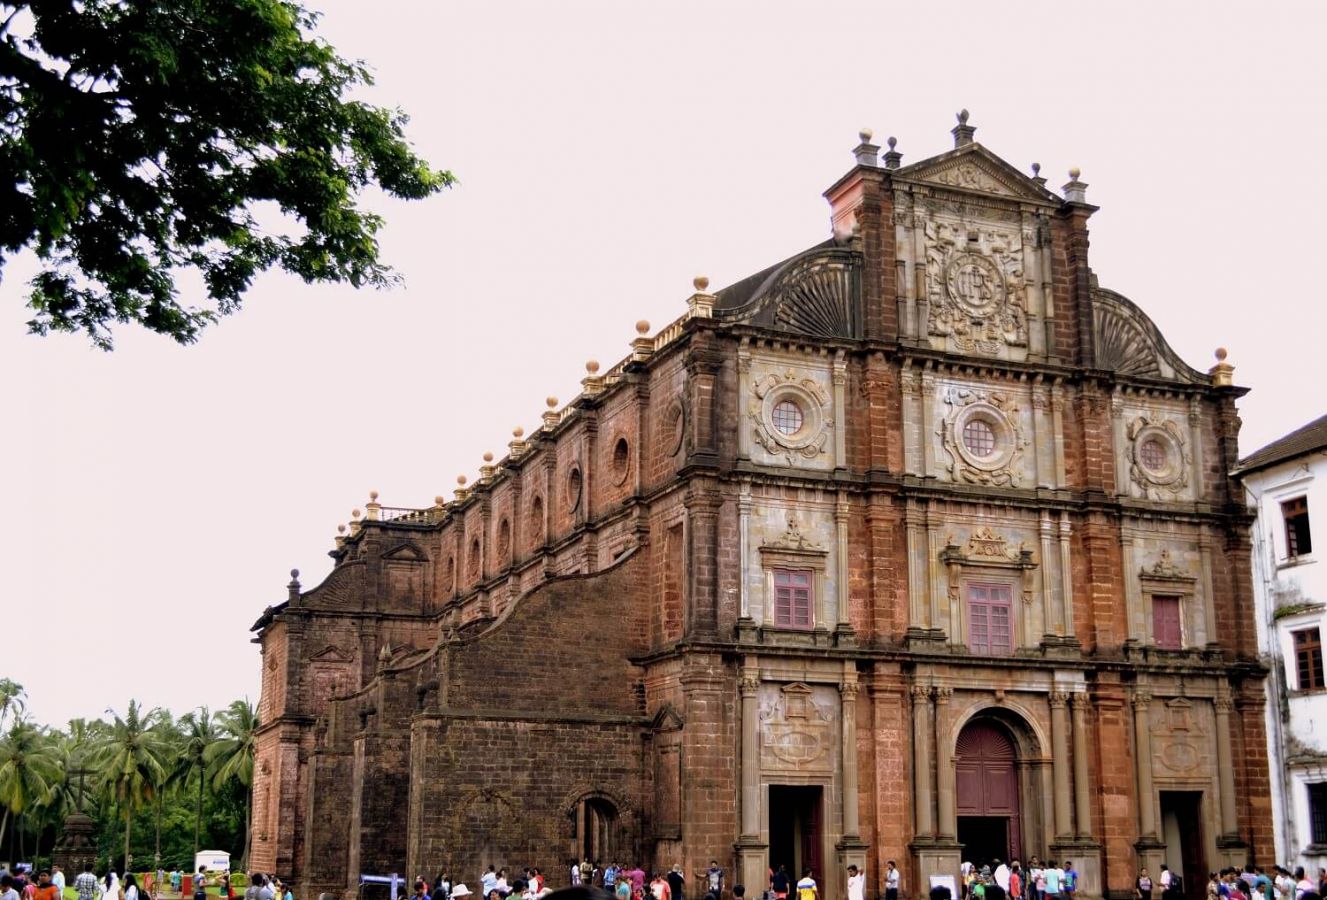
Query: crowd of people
(618, 879)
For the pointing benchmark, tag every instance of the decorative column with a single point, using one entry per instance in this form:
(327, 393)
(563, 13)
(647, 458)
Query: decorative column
(1142, 740)
(944, 765)
(1082, 797)
(1225, 767)
(843, 625)
(1067, 579)
(1060, 763)
(840, 379)
(1057, 424)
(746, 626)
(1196, 447)
(928, 403)
(921, 759)
(1047, 574)
(848, 737)
(751, 862)
(743, 392)
(1120, 443)
(750, 688)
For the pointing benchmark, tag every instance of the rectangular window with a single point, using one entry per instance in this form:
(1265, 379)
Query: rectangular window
(792, 598)
(1318, 812)
(990, 619)
(1166, 631)
(1308, 658)
(1296, 515)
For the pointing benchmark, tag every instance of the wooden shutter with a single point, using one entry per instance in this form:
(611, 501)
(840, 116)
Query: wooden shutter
(1166, 631)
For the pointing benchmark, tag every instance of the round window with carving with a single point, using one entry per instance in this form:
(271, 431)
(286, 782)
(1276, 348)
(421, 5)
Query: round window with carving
(979, 437)
(1152, 454)
(787, 417)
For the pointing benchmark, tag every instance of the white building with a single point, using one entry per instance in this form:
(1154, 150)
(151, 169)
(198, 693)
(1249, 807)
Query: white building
(1286, 485)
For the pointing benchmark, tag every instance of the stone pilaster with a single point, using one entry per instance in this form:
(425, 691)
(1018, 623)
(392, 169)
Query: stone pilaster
(750, 849)
(946, 798)
(1142, 741)
(1082, 790)
(1060, 763)
(921, 760)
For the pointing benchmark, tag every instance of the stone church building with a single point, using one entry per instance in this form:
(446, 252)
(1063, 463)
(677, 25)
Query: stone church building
(917, 545)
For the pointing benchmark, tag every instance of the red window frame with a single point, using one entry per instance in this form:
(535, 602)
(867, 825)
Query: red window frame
(990, 619)
(794, 598)
(1308, 659)
(1167, 622)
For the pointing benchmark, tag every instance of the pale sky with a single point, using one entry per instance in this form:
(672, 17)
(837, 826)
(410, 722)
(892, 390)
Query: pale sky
(607, 153)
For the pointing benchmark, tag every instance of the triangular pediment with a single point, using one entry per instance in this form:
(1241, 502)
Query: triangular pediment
(332, 653)
(405, 553)
(976, 170)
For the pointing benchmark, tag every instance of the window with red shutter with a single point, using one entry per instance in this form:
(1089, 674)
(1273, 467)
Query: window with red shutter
(1308, 658)
(990, 619)
(792, 598)
(1166, 630)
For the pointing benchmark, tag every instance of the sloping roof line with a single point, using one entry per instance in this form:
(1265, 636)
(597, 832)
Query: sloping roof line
(1299, 442)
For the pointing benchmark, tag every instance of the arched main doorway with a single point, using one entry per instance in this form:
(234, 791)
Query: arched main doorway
(986, 792)
(596, 826)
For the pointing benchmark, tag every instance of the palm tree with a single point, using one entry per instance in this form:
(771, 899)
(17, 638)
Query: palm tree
(199, 735)
(131, 761)
(13, 698)
(29, 770)
(231, 757)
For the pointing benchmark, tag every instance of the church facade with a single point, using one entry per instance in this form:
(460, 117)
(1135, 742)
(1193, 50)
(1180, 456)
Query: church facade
(919, 545)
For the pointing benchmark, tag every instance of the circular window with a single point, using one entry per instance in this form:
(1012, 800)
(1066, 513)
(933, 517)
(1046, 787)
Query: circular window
(979, 437)
(1152, 454)
(787, 417)
(574, 489)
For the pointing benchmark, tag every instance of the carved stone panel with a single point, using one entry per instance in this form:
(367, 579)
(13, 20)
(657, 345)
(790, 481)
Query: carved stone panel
(789, 415)
(982, 434)
(975, 288)
(797, 725)
(1158, 456)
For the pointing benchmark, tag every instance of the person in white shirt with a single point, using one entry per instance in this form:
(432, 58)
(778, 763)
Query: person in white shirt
(7, 891)
(1002, 876)
(892, 881)
(856, 884)
(58, 879)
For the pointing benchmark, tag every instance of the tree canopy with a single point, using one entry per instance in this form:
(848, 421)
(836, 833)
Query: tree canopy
(141, 138)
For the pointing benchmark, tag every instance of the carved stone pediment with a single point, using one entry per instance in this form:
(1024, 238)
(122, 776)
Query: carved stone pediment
(405, 553)
(1166, 569)
(794, 541)
(332, 654)
(987, 549)
(977, 170)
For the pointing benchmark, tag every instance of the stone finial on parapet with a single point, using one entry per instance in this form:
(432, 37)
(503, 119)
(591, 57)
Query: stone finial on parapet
(701, 303)
(462, 493)
(355, 523)
(517, 445)
(892, 157)
(340, 536)
(1075, 191)
(963, 132)
(642, 345)
(866, 153)
(1037, 176)
(593, 382)
(551, 416)
(292, 589)
(372, 508)
(1223, 372)
(487, 470)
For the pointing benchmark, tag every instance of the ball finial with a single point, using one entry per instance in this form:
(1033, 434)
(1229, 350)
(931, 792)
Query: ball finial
(354, 514)
(700, 282)
(439, 500)
(551, 402)
(373, 496)
(592, 366)
(866, 134)
(460, 480)
(1221, 354)
(294, 573)
(643, 327)
(1075, 172)
(518, 432)
(962, 117)
(340, 529)
(1036, 169)
(892, 142)
(488, 456)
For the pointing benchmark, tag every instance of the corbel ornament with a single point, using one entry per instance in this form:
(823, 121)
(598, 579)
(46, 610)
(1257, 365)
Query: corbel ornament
(988, 550)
